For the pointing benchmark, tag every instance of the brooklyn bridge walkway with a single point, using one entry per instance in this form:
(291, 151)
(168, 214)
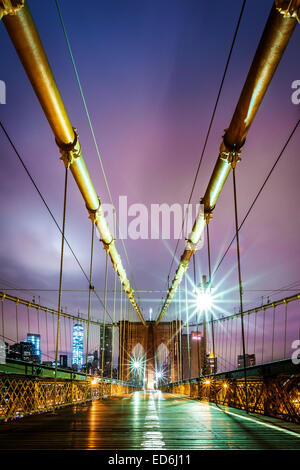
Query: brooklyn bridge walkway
(149, 420)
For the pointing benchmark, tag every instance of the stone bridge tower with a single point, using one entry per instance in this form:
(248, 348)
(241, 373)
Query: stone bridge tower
(150, 338)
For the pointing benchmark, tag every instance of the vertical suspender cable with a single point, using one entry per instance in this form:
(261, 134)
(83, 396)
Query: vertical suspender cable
(38, 319)
(28, 319)
(104, 320)
(2, 313)
(255, 321)
(17, 322)
(230, 348)
(89, 298)
(114, 312)
(222, 338)
(180, 338)
(66, 340)
(273, 332)
(53, 330)
(209, 272)
(187, 328)
(247, 336)
(226, 342)
(263, 336)
(60, 283)
(176, 342)
(46, 321)
(197, 320)
(236, 331)
(240, 284)
(285, 328)
(121, 338)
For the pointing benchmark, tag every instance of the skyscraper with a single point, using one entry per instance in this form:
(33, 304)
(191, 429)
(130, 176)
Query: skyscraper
(63, 360)
(212, 364)
(35, 340)
(77, 347)
(106, 349)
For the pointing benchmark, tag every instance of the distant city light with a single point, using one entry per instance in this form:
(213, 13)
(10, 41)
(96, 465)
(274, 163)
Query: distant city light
(196, 335)
(77, 346)
(35, 340)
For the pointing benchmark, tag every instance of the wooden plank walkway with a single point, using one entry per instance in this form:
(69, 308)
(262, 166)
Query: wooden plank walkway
(148, 421)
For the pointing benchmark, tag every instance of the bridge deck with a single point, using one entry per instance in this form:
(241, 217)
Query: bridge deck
(148, 421)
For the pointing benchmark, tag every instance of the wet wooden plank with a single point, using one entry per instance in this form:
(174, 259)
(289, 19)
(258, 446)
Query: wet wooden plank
(146, 421)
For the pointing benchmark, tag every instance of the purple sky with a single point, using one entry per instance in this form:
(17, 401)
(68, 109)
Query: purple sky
(150, 71)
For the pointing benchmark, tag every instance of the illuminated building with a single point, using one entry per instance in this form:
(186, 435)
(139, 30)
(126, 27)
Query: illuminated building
(106, 349)
(35, 340)
(77, 347)
(197, 347)
(22, 351)
(211, 364)
(250, 360)
(63, 360)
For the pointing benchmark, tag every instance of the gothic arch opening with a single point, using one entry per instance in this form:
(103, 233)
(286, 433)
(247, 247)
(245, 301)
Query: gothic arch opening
(137, 365)
(162, 364)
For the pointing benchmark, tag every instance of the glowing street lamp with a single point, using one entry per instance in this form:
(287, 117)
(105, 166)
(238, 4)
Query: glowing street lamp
(136, 364)
(204, 300)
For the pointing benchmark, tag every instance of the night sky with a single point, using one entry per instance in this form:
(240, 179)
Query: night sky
(150, 71)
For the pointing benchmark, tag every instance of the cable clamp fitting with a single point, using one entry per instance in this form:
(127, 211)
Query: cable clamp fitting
(108, 246)
(207, 212)
(69, 152)
(289, 8)
(95, 214)
(184, 262)
(230, 155)
(10, 7)
(190, 246)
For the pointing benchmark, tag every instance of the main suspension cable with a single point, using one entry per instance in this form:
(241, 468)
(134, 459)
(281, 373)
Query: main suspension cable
(46, 205)
(88, 118)
(257, 196)
(211, 122)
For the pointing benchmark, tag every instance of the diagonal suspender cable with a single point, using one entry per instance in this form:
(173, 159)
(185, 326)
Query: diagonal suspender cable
(211, 122)
(23, 33)
(240, 283)
(274, 40)
(258, 194)
(88, 115)
(47, 207)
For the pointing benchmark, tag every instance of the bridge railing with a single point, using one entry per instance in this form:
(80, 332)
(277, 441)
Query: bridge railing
(272, 390)
(24, 395)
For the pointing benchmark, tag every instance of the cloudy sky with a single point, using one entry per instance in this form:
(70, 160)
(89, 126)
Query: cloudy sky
(150, 71)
